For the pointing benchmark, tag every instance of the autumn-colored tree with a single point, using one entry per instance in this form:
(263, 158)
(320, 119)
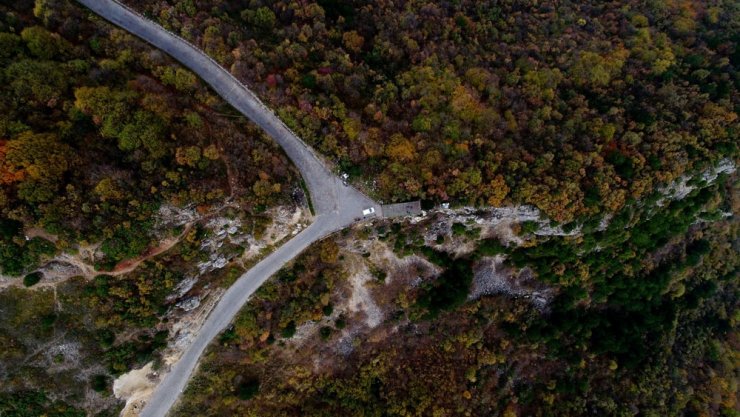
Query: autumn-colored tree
(353, 41)
(497, 191)
(43, 43)
(189, 156)
(38, 82)
(109, 109)
(107, 189)
(40, 160)
(593, 69)
(400, 148)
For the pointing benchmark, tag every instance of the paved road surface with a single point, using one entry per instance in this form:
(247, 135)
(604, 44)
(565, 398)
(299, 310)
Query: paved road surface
(336, 205)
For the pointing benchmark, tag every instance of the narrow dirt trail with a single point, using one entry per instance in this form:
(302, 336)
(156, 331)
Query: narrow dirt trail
(39, 232)
(88, 271)
(129, 265)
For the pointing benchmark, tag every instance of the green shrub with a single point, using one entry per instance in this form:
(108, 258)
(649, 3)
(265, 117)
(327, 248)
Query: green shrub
(490, 247)
(32, 279)
(106, 338)
(247, 390)
(229, 335)
(380, 274)
(289, 330)
(327, 310)
(451, 288)
(47, 321)
(99, 382)
(529, 227)
(458, 229)
(325, 332)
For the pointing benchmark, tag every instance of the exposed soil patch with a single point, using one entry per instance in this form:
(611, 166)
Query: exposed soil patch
(360, 300)
(134, 387)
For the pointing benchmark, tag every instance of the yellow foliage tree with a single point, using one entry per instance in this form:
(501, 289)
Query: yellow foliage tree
(400, 148)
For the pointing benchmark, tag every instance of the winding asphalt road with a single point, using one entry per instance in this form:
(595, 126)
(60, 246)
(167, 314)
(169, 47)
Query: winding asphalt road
(337, 206)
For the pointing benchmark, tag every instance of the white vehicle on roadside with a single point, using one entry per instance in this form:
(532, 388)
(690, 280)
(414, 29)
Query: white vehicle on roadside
(368, 211)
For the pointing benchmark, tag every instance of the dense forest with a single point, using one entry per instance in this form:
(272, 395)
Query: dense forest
(574, 107)
(98, 132)
(586, 110)
(605, 115)
(643, 321)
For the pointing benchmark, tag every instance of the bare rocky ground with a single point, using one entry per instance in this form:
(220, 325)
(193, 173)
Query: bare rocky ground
(684, 185)
(492, 277)
(135, 387)
(368, 302)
